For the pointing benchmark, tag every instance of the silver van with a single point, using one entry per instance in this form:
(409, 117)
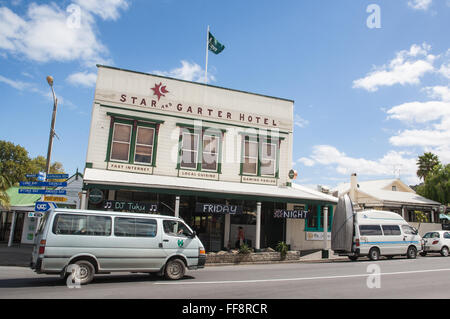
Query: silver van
(98, 242)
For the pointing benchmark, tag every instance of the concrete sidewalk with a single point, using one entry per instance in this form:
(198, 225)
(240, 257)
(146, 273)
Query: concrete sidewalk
(16, 255)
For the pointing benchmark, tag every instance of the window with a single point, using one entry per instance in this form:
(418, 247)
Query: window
(82, 225)
(447, 235)
(370, 230)
(133, 141)
(250, 164)
(144, 145)
(175, 228)
(189, 151)
(135, 227)
(427, 235)
(121, 142)
(315, 218)
(210, 153)
(394, 188)
(408, 230)
(199, 150)
(391, 230)
(259, 157)
(268, 159)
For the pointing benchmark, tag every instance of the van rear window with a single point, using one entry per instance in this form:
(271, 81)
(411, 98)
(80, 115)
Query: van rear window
(66, 224)
(370, 230)
(134, 227)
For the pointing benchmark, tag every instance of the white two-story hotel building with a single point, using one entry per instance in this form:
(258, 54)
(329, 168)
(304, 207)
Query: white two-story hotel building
(218, 158)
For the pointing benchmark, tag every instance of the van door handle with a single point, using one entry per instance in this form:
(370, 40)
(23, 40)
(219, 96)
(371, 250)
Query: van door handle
(165, 240)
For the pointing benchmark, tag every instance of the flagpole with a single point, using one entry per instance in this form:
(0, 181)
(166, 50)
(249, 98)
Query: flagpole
(206, 65)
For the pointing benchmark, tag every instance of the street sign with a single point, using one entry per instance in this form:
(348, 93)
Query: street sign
(44, 184)
(40, 176)
(43, 206)
(57, 176)
(58, 199)
(42, 191)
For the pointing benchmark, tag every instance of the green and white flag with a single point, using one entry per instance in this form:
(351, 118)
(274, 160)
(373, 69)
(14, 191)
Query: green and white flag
(214, 45)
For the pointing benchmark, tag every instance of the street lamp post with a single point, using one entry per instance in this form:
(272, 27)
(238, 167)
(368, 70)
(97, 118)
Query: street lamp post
(52, 129)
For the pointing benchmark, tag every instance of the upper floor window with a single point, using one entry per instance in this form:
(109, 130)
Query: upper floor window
(199, 150)
(132, 141)
(260, 156)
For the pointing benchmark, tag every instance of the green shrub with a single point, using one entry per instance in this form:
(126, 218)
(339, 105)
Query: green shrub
(282, 248)
(244, 249)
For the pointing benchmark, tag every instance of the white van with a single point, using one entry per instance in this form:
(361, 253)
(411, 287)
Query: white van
(372, 233)
(104, 242)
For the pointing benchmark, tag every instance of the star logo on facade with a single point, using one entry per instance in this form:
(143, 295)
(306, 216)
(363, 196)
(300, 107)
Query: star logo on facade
(159, 90)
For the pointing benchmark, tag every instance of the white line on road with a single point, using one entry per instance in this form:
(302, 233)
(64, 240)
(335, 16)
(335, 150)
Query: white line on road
(299, 279)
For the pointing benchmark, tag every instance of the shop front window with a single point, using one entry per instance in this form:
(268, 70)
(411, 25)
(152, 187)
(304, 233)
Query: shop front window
(315, 219)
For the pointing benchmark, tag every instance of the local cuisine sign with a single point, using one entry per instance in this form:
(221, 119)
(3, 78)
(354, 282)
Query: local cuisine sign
(298, 214)
(161, 90)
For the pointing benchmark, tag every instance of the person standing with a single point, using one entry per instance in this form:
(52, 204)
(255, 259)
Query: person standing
(241, 236)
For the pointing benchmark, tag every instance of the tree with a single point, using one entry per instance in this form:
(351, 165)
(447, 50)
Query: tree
(14, 162)
(425, 164)
(38, 164)
(437, 185)
(4, 185)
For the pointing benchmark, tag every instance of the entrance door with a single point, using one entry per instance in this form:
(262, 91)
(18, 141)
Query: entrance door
(18, 228)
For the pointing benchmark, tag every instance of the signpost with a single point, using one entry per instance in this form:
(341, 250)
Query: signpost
(42, 191)
(43, 184)
(58, 199)
(43, 206)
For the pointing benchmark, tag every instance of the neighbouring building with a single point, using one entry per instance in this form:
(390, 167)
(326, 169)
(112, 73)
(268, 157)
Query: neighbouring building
(18, 226)
(219, 158)
(391, 195)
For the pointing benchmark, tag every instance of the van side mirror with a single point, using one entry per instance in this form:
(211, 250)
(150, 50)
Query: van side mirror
(193, 234)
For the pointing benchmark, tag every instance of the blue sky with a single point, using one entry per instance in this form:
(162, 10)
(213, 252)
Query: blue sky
(367, 100)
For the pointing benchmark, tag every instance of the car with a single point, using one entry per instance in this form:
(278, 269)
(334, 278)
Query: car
(436, 242)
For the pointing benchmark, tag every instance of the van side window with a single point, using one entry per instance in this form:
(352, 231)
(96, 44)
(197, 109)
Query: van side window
(66, 224)
(370, 230)
(391, 230)
(447, 235)
(175, 228)
(408, 230)
(134, 227)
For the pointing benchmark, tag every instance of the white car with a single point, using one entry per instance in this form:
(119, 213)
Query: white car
(436, 242)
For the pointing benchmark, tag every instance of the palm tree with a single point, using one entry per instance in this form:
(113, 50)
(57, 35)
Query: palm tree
(4, 185)
(426, 163)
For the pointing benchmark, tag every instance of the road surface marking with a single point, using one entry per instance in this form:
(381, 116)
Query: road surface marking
(300, 278)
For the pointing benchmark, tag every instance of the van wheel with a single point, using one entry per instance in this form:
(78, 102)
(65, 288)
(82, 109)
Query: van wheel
(175, 269)
(444, 251)
(374, 254)
(86, 271)
(411, 253)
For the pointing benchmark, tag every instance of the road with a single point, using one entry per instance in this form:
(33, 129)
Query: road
(424, 277)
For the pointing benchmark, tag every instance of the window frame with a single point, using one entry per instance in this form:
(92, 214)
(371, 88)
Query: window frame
(187, 130)
(136, 144)
(319, 218)
(217, 139)
(261, 141)
(135, 219)
(371, 225)
(129, 142)
(135, 125)
(56, 220)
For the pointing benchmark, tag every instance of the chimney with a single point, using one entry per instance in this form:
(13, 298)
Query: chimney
(353, 187)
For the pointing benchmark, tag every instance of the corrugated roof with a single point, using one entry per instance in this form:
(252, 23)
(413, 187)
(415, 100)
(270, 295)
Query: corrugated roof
(21, 200)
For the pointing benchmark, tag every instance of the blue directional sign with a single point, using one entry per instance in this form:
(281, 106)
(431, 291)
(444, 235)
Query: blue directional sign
(43, 206)
(41, 191)
(57, 176)
(44, 184)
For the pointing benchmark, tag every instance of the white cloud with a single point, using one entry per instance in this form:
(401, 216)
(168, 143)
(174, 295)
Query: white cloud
(19, 85)
(46, 32)
(420, 112)
(406, 68)
(300, 122)
(439, 92)
(106, 9)
(328, 155)
(86, 79)
(188, 71)
(420, 4)
(306, 161)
